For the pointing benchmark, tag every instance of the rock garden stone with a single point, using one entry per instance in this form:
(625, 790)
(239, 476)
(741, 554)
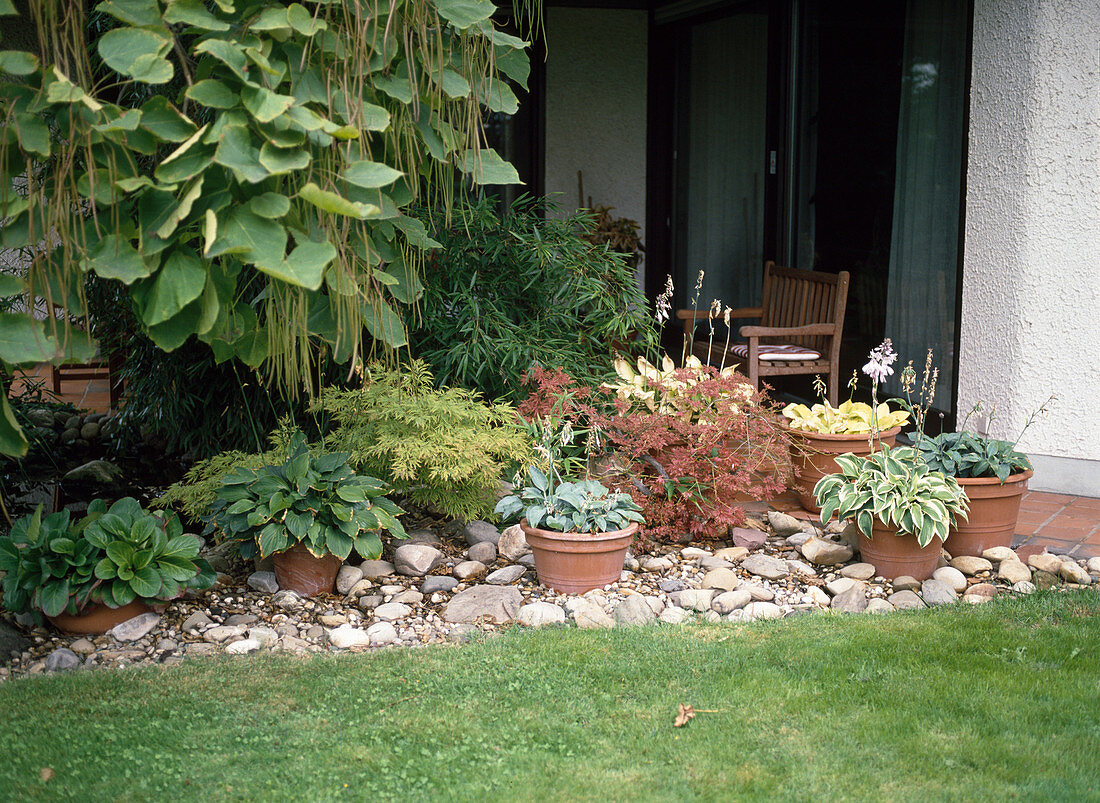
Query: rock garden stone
(540, 614)
(818, 596)
(369, 602)
(826, 553)
(952, 577)
(136, 628)
(479, 531)
(1094, 565)
(766, 566)
(513, 544)
(799, 567)
(906, 600)
(82, 646)
(392, 611)
(94, 472)
(347, 577)
(724, 579)
(970, 565)
(62, 660)
(469, 570)
(240, 619)
(842, 584)
(986, 591)
(381, 633)
(671, 584)
(377, 569)
(997, 554)
(784, 524)
(287, 600)
(1045, 562)
(858, 571)
(264, 636)
(656, 564)
(483, 552)
(711, 562)
(879, 605)
(633, 611)
(1024, 587)
(854, 600)
(360, 588)
(732, 553)
(798, 539)
(499, 603)
(220, 633)
(527, 560)
(242, 647)
(346, 636)
(694, 598)
(424, 537)
(748, 538)
(588, 615)
(437, 583)
(906, 583)
(673, 615)
(1013, 571)
(1044, 579)
(937, 592)
(1073, 572)
(416, 560)
(264, 582)
(694, 553)
(408, 597)
(761, 610)
(731, 601)
(506, 575)
(761, 594)
(195, 622)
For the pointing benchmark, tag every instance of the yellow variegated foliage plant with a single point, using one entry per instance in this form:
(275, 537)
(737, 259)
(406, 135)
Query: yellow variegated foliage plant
(850, 418)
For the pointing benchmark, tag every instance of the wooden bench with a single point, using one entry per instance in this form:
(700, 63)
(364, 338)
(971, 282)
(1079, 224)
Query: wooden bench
(95, 370)
(801, 322)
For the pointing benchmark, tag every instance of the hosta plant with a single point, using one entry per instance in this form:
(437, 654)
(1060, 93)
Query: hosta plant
(111, 556)
(968, 455)
(313, 500)
(896, 487)
(850, 418)
(667, 389)
(145, 556)
(585, 506)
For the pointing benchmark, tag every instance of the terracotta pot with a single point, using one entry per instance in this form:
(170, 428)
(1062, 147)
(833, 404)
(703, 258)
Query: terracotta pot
(97, 618)
(894, 555)
(814, 455)
(994, 509)
(577, 562)
(299, 570)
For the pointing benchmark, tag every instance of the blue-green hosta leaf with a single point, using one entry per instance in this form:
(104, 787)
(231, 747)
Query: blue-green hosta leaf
(338, 543)
(273, 538)
(23, 339)
(213, 93)
(487, 167)
(193, 12)
(18, 62)
(370, 175)
(335, 203)
(179, 282)
(369, 546)
(464, 13)
(138, 53)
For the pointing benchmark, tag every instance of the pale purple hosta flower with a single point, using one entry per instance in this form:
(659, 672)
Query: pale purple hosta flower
(664, 306)
(882, 357)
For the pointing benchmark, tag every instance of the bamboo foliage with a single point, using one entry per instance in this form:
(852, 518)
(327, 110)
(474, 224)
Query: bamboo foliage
(196, 146)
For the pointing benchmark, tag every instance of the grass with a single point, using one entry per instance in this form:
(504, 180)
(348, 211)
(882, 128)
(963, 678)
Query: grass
(982, 703)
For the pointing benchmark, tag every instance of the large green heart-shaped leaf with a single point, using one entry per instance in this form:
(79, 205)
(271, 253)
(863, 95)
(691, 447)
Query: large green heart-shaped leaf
(464, 13)
(279, 161)
(179, 282)
(135, 12)
(263, 104)
(12, 441)
(18, 62)
(302, 21)
(114, 258)
(161, 119)
(182, 210)
(270, 205)
(487, 167)
(254, 239)
(370, 175)
(212, 93)
(32, 133)
(138, 53)
(238, 152)
(11, 286)
(174, 332)
(193, 12)
(384, 324)
(23, 339)
(305, 265)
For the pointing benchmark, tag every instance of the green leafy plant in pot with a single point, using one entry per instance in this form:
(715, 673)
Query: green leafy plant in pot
(991, 472)
(902, 508)
(579, 531)
(309, 512)
(113, 564)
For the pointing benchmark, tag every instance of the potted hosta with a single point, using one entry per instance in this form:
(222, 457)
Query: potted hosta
(821, 432)
(901, 507)
(994, 476)
(89, 575)
(579, 532)
(309, 513)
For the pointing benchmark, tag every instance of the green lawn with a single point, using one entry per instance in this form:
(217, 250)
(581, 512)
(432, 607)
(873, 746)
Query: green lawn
(978, 702)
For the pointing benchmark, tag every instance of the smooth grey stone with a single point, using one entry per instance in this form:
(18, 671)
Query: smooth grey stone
(346, 636)
(478, 531)
(382, 633)
(195, 622)
(506, 575)
(766, 566)
(483, 552)
(424, 538)
(436, 583)
(223, 633)
(633, 611)
(133, 629)
(416, 560)
(392, 611)
(376, 569)
(469, 570)
(370, 602)
(264, 582)
(748, 538)
(94, 472)
(951, 577)
(671, 585)
(784, 524)
(826, 553)
(512, 544)
(905, 600)
(588, 615)
(540, 614)
(347, 577)
(854, 600)
(499, 603)
(62, 660)
(240, 619)
(731, 601)
(937, 592)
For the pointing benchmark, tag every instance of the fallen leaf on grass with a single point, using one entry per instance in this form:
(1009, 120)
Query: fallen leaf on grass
(46, 773)
(683, 716)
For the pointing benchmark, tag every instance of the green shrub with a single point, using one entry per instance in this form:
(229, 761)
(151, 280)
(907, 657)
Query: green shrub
(506, 293)
(445, 449)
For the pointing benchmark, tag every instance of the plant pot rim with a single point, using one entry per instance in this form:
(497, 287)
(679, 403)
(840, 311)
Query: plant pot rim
(1010, 479)
(839, 436)
(600, 536)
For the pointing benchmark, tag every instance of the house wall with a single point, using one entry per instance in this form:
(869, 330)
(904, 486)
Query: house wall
(596, 107)
(1031, 275)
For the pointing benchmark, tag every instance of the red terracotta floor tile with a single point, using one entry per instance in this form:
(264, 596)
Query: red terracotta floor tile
(1043, 496)
(1027, 550)
(1086, 502)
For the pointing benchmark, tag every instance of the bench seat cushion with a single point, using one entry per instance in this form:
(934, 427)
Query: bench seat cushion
(777, 351)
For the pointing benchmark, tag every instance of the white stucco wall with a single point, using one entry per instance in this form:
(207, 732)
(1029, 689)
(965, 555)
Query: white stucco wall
(596, 108)
(1031, 279)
